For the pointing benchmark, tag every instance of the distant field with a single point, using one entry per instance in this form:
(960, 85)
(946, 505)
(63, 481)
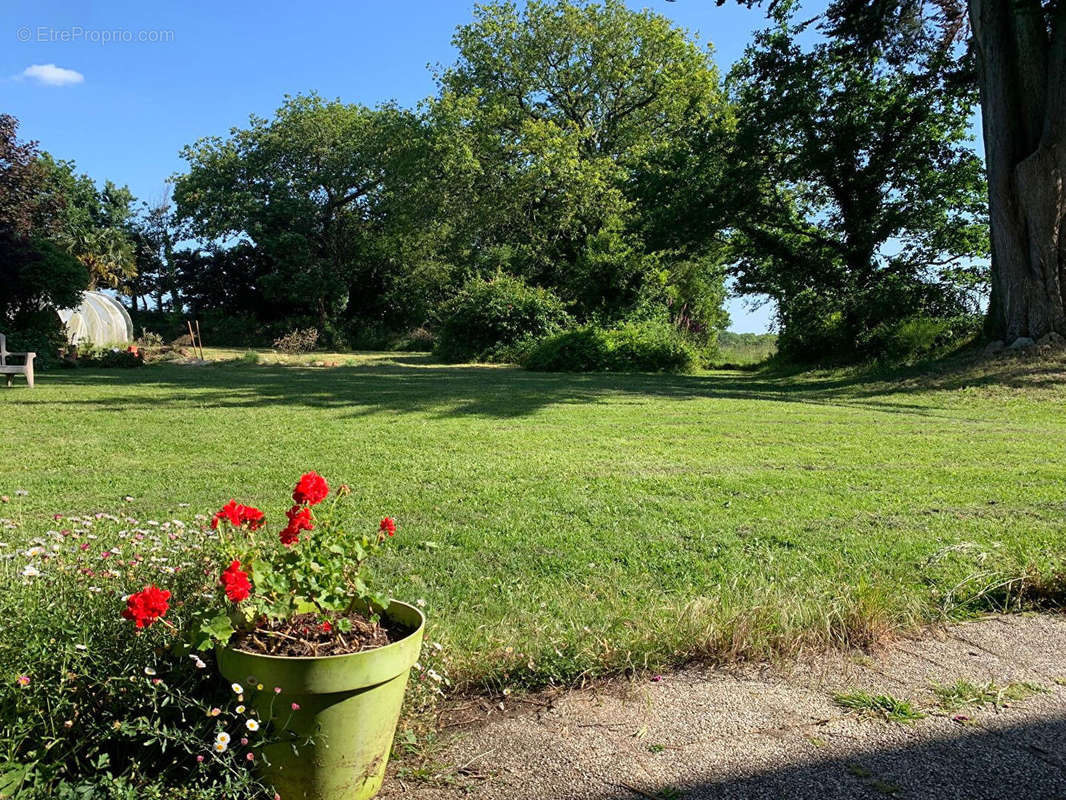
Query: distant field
(745, 348)
(566, 525)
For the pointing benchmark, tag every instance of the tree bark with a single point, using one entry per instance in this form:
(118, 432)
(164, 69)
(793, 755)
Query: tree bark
(1022, 60)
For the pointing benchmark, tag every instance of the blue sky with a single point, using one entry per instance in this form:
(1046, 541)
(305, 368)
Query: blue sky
(120, 86)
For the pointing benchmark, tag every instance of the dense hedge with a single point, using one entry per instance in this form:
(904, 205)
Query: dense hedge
(633, 347)
(489, 316)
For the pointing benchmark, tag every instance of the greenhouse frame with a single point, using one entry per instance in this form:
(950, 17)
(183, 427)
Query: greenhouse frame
(100, 320)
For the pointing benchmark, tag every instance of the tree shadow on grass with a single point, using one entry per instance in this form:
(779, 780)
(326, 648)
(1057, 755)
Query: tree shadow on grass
(414, 383)
(996, 763)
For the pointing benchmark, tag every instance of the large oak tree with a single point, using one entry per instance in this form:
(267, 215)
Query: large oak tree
(1020, 46)
(858, 201)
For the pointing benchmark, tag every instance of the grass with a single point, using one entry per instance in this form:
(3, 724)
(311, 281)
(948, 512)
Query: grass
(884, 706)
(967, 694)
(744, 349)
(562, 526)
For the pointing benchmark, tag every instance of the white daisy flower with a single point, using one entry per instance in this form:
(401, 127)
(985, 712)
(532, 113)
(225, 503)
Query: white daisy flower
(251, 725)
(222, 737)
(237, 688)
(30, 571)
(149, 671)
(220, 747)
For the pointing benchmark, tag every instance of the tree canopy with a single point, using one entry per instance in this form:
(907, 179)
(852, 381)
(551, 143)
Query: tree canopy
(37, 274)
(857, 193)
(594, 155)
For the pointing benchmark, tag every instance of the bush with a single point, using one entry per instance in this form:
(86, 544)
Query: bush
(36, 275)
(41, 333)
(895, 319)
(250, 357)
(813, 328)
(488, 316)
(420, 340)
(919, 337)
(150, 341)
(298, 341)
(634, 347)
(218, 329)
(111, 357)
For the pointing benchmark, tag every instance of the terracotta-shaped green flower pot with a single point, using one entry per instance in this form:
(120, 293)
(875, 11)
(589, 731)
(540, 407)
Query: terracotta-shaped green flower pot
(348, 708)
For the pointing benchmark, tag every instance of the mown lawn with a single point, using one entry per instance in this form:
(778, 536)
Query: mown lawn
(561, 525)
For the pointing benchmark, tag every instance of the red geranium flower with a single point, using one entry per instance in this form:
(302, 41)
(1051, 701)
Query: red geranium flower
(289, 536)
(146, 606)
(236, 582)
(236, 515)
(253, 516)
(388, 525)
(311, 489)
(229, 512)
(299, 520)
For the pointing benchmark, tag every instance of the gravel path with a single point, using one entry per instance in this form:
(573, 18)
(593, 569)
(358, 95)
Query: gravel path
(776, 732)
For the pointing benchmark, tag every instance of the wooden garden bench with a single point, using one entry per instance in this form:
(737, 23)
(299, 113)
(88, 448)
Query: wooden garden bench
(11, 370)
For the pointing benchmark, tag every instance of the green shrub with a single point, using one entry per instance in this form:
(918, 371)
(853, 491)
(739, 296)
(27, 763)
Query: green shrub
(814, 328)
(110, 357)
(489, 315)
(919, 337)
(579, 350)
(634, 347)
(419, 340)
(250, 357)
(41, 333)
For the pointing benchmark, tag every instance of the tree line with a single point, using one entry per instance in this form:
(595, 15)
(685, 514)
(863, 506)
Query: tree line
(588, 151)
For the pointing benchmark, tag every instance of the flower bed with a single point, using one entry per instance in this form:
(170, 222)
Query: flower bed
(93, 705)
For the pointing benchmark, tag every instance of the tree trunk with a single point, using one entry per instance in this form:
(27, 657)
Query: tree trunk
(1022, 64)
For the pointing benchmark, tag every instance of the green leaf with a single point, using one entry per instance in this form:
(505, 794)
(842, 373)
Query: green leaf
(219, 628)
(12, 776)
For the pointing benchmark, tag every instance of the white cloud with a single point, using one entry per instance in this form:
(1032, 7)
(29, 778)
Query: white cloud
(51, 75)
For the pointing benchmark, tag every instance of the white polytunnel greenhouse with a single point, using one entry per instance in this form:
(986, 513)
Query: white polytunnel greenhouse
(99, 320)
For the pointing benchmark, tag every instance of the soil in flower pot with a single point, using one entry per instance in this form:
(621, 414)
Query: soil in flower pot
(305, 635)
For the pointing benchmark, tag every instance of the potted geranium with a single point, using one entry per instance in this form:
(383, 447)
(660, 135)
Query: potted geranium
(322, 658)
